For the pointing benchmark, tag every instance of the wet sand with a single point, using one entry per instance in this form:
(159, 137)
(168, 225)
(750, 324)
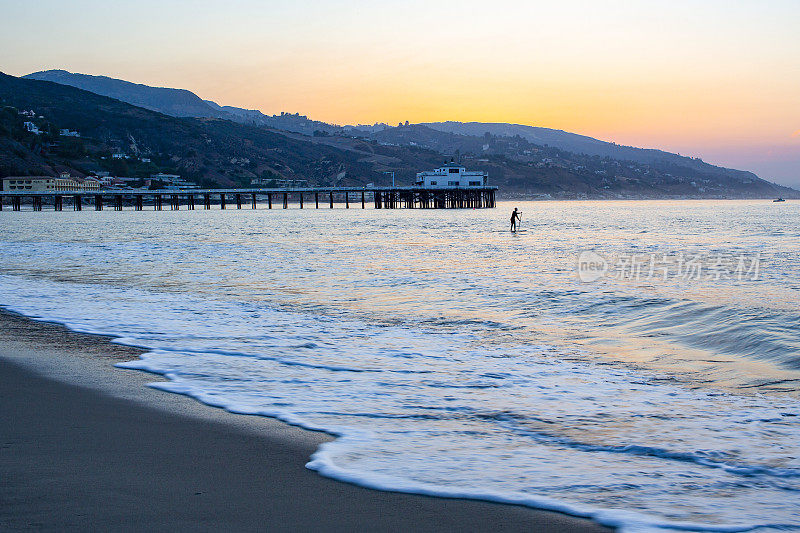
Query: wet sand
(86, 446)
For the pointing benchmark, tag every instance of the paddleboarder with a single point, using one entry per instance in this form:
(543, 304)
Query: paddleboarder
(515, 216)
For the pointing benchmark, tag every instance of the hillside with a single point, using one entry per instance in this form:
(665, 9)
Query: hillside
(599, 167)
(210, 151)
(180, 103)
(580, 144)
(221, 152)
(662, 175)
(174, 102)
(545, 136)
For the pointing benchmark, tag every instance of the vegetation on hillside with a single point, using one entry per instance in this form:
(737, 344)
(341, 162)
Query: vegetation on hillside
(217, 152)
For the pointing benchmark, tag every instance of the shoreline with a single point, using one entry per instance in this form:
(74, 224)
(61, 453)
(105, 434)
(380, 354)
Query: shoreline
(86, 445)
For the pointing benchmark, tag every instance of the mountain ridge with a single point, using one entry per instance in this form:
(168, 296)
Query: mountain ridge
(194, 106)
(173, 102)
(573, 142)
(221, 152)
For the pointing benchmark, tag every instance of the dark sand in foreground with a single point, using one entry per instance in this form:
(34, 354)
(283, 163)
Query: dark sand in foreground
(120, 456)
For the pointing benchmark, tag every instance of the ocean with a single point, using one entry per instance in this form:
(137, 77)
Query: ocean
(637, 362)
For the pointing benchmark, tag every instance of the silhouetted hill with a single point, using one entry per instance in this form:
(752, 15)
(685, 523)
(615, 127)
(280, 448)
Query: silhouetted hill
(543, 136)
(590, 174)
(179, 102)
(210, 151)
(581, 144)
(213, 151)
(174, 102)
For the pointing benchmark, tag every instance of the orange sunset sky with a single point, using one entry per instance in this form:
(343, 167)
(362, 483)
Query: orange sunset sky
(719, 80)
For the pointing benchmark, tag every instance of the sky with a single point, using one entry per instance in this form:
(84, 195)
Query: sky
(713, 79)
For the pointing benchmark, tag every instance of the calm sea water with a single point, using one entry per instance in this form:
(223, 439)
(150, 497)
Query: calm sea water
(452, 357)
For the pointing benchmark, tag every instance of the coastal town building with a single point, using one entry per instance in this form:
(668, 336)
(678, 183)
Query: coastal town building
(452, 176)
(49, 184)
(106, 181)
(115, 182)
(31, 128)
(171, 182)
(279, 182)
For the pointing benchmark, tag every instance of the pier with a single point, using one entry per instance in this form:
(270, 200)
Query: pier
(168, 199)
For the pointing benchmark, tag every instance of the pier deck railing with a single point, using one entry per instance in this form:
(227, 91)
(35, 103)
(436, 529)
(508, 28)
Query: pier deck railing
(379, 197)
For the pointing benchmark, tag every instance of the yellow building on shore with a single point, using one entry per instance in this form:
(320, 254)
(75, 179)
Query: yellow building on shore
(49, 184)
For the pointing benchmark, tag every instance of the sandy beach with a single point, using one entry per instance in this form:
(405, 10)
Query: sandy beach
(86, 446)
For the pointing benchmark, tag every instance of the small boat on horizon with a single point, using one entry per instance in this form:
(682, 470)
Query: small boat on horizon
(779, 200)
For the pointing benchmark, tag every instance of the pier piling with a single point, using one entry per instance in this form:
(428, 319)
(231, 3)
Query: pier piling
(382, 198)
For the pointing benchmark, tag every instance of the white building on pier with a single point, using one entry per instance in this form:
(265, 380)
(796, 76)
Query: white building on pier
(452, 176)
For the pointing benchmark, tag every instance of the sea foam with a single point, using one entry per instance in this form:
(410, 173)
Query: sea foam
(428, 412)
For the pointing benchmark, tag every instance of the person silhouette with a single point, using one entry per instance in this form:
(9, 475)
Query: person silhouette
(514, 218)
